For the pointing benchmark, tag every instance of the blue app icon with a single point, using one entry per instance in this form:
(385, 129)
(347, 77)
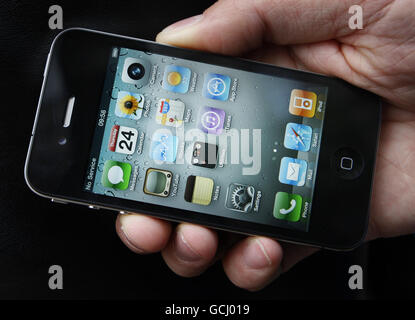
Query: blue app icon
(297, 136)
(293, 171)
(163, 147)
(216, 86)
(176, 79)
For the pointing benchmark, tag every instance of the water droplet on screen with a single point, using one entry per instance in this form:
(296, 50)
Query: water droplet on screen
(109, 193)
(100, 167)
(123, 52)
(115, 92)
(163, 60)
(138, 86)
(148, 53)
(129, 157)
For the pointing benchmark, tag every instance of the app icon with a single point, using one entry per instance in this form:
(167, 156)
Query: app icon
(240, 197)
(303, 103)
(212, 120)
(157, 182)
(287, 206)
(216, 86)
(129, 105)
(293, 171)
(204, 154)
(116, 175)
(136, 71)
(163, 146)
(122, 139)
(297, 136)
(176, 79)
(199, 190)
(170, 112)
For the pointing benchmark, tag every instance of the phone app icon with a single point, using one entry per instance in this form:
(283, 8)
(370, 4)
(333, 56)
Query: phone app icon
(212, 120)
(157, 182)
(293, 171)
(204, 154)
(176, 79)
(240, 197)
(303, 103)
(129, 105)
(287, 206)
(216, 86)
(199, 190)
(163, 146)
(116, 175)
(122, 139)
(297, 136)
(170, 112)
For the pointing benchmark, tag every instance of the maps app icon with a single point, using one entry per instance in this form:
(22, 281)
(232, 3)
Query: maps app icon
(216, 86)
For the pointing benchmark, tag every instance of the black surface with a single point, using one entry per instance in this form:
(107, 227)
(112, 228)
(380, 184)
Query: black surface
(35, 234)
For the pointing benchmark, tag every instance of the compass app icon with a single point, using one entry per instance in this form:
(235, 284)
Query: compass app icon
(298, 136)
(216, 86)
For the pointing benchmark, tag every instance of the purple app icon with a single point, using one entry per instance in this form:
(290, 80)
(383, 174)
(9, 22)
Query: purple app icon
(212, 120)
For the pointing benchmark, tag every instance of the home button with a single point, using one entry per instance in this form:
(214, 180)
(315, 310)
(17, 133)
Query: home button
(347, 163)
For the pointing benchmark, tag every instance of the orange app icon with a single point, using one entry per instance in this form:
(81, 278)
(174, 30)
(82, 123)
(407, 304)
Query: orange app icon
(303, 103)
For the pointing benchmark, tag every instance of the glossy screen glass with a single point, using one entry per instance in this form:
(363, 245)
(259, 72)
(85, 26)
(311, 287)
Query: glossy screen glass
(206, 138)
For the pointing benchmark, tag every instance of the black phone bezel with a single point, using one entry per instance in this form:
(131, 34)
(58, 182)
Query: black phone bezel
(77, 67)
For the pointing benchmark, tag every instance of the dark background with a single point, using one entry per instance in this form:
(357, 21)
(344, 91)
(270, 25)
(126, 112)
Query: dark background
(35, 233)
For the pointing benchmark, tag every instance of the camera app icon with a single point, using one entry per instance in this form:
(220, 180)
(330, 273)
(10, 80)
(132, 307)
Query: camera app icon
(136, 71)
(303, 103)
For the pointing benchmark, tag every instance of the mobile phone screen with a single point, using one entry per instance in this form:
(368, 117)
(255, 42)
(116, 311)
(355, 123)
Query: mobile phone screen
(206, 138)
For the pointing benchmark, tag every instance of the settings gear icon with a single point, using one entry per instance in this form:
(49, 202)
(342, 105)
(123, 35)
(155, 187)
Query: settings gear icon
(240, 197)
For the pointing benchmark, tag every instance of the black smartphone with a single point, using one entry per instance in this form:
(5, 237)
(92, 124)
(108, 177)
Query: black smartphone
(135, 126)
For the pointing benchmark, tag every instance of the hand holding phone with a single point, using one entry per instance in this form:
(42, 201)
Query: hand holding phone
(390, 219)
(269, 248)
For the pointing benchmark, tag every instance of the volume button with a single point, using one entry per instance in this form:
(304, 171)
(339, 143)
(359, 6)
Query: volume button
(58, 201)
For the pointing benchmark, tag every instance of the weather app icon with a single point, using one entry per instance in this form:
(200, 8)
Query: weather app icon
(176, 79)
(216, 86)
(297, 136)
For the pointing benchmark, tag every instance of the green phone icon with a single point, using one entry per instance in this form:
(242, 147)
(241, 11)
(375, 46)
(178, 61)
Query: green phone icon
(287, 206)
(116, 175)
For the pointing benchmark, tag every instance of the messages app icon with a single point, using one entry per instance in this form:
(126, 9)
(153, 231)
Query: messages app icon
(216, 86)
(116, 175)
(293, 171)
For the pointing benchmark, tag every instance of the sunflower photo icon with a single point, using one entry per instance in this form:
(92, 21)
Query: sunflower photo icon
(129, 105)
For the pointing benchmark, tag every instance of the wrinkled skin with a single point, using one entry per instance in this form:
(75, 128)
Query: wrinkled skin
(309, 35)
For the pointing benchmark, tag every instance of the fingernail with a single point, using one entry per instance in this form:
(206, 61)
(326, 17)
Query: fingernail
(184, 250)
(183, 23)
(125, 226)
(255, 256)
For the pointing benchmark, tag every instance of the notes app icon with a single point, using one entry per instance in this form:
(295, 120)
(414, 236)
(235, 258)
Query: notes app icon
(199, 190)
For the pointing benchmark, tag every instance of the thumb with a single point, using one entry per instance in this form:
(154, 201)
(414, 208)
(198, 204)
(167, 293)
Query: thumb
(235, 27)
